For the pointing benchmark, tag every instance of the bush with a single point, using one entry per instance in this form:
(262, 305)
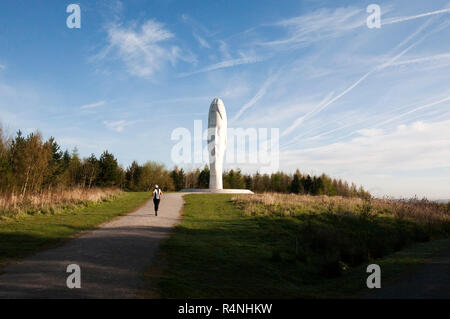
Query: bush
(333, 232)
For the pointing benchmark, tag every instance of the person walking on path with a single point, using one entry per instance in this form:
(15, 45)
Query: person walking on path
(156, 198)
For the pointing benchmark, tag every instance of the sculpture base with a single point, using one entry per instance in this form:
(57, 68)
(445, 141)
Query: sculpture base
(216, 191)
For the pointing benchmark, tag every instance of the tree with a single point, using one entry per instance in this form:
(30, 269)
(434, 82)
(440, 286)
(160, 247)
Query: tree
(257, 183)
(178, 178)
(55, 164)
(29, 158)
(307, 184)
(5, 165)
(203, 178)
(248, 180)
(233, 179)
(295, 184)
(109, 174)
(275, 182)
(75, 169)
(155, 174)
(91, 171)
(30, 165)
(133, 176)
(316, 186)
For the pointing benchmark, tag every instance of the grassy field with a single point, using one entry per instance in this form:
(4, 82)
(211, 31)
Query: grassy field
(28, 234)
(240, 248)
(13, 205)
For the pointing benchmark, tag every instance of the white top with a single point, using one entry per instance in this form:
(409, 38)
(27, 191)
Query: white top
(157, 193)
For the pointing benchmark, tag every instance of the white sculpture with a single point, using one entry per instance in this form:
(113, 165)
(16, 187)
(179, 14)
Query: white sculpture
(217, 142)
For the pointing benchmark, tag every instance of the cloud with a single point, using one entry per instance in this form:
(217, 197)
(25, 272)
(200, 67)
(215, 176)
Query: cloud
(2, 67)
(433, 61)
(201, 41)
(223, 48)
(118, 126)
(419, 108)
(224, 64)
(195, 25)
(143, 50)
(418, 146)
(182, 99)
(324, 103)
(327, 101)
(381, 119)
(401, 19)
(318, 25)
(93, 105)
(370, 132)
(257, 96)
(236, 88)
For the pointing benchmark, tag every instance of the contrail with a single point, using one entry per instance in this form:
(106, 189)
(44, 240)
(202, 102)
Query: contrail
(401, 19)
(428, 105)
(378, 68)
(257, 97)
(89, 106)
(222, 65)
(300, 120)
(415, 110)
(322, 105)
(432, 58)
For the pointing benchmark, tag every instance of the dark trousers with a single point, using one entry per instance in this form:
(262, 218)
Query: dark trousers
(156, 203)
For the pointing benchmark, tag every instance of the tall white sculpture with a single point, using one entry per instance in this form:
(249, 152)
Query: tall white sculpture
(217, 142)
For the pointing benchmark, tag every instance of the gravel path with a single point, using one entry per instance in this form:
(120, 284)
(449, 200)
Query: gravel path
(431, 281)
(112, 258)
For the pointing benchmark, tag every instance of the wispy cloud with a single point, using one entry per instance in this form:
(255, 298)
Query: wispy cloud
(422, 15)
(118, 126)
(144, 49)
(323, 105)
(224, 64)
(2, 67)
(409, 145)
(436, 60)
(380, 119)
(418, 146)
(257, 96)
(201, 41)
(182, 99)
(416, 109)
(223, 48)
(93, 105)
(196, 25)
(318, 25)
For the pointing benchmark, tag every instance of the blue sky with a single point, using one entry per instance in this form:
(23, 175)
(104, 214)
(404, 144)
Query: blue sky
(369, 105)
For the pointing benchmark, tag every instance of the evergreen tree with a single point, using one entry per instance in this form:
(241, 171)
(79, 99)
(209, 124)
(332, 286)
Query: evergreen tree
(203, 178)
(295, 184)
(133, 176)
(109, 174)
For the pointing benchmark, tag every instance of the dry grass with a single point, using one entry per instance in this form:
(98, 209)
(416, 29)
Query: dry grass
(422, 211)
(14, 205)
(334, 233)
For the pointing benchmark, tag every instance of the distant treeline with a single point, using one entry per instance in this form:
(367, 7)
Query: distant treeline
(28, 164)
(279, 182)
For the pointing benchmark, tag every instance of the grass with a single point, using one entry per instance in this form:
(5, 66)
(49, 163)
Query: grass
(22, 236)
(420, 211)
(13, 205)
(352, 284)
(224, 250)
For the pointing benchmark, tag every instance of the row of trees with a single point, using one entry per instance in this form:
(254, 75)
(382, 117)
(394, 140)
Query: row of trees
(28, 164)
(280, 182)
